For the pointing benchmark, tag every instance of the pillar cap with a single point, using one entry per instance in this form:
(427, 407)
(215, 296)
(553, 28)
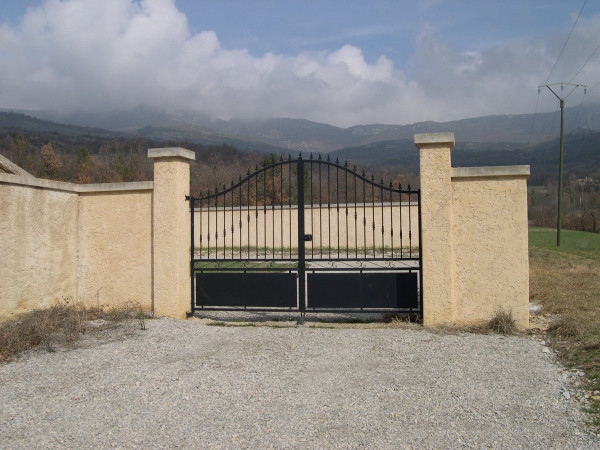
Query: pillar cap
(435, 138)
(170, 152)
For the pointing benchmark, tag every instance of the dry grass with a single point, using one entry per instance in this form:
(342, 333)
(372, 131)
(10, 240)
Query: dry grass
(567, 284)
(502, 322)
(63, 323)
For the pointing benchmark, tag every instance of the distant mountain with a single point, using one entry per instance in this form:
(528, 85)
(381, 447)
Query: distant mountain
(581, 155)
(306, 136)
(205, 136)
(20, 122)
(582, 146)
(309, 136)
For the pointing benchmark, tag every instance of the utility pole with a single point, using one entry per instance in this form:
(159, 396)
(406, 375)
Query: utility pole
(562, 125)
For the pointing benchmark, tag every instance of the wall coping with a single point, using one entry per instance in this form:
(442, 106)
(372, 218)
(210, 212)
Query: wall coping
(434, 138)
(9, 167)
(75, 188)
(170, 152)
(490, 171)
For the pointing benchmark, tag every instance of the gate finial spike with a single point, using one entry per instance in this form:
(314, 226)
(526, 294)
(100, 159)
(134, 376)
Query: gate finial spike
(337, 161)
(319, 158)
(373, 178)
(311, 156)
(381, 181)
(354, 168)
(289, 157)
(345, 164)
(328, 158)
(299, 155)
(239, 179)
(280, 158)
(409, 186)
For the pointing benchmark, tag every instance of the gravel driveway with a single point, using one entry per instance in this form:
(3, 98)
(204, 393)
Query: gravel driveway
(185, 384)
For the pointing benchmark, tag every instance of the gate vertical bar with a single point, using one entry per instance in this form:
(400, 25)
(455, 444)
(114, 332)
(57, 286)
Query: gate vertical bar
(216, 223)
(192, 305)
(273, 209)
(328, 210)
(409, 223)
(301, 255)
(392, 216)
(400, 218)
(420, 254)
(312, 226)
(373, 206)
(347, 203)
(232, 220)
(337, 201)
(382, 222)
(281, 208)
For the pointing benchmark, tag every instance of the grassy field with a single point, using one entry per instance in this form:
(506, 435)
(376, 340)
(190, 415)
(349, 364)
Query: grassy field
(565, 280)
(571, 242)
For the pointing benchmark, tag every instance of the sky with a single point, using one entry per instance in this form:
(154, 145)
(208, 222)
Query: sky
(338, 62)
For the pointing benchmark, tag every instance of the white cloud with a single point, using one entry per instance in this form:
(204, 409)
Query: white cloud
(104, 54)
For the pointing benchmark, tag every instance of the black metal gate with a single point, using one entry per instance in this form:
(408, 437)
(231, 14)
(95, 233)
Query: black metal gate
(306, 235)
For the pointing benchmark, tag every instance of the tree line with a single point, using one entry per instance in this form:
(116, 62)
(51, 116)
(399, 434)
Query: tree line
(580, 203)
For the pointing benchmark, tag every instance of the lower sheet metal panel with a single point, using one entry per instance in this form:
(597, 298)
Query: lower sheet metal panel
(231, 289)
(363, 290)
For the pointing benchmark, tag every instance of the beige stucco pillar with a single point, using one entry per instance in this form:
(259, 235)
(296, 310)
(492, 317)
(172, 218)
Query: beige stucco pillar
(436, 220)
(171, 231)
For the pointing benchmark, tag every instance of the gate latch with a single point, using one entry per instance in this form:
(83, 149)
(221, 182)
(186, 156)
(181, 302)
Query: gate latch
(307, 237)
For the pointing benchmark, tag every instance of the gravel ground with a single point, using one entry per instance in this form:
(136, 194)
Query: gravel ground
(185, 384)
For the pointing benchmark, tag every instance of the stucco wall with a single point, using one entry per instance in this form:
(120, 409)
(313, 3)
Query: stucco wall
(171, 231)
(130, 241)
(38, 244)
(475, 242)
(115, 247)
(436, 221)
(91, 243)
(490, 242)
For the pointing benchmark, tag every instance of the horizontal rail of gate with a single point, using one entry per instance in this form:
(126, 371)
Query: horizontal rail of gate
(306, 235)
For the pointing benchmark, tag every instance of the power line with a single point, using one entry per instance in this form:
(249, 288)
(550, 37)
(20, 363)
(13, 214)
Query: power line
(585, 63)
(578, 111)
(594, 86)
(533, 120)
(565, 44)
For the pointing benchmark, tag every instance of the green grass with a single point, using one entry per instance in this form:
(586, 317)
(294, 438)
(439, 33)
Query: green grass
(578, 243)
(231, 324)
(245, 265)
